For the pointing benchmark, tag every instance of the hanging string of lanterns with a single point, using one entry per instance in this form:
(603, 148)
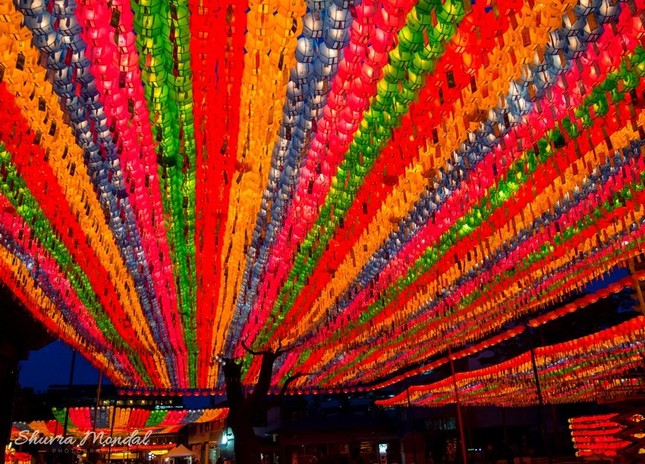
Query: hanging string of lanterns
(325, 335)
(165, 67)
(125, 109)
(58, 35)
(326, 31)
(405, 145)
(367, 184)
(567, 372)
(273, 28)
(217, 121)
(124, 421)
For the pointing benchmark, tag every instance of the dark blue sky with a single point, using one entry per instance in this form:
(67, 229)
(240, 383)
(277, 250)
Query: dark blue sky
(51, 365)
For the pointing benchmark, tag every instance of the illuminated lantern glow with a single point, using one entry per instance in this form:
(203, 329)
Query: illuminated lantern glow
(368, 184)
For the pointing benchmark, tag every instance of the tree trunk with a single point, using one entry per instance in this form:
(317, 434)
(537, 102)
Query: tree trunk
(243, 408)
(247, 449)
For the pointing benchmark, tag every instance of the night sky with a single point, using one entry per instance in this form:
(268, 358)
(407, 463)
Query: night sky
(51, 366)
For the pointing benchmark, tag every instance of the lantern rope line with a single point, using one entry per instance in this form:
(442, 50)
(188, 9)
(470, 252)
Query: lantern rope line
(269, 24)
(321, 337)
(107, 31)
(17, 278)
(318, 50)
(164, 82)
(377, 225)
(58, 35)
(78, 285)
(216, 115)
(375, 132)
(45, 188)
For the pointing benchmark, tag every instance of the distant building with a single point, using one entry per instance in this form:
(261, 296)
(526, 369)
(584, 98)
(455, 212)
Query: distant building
(59, 396)
(209, 441)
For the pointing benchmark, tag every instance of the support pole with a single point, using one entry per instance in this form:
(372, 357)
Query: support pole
(69, 387)
(637, 286)
(92, 455)
(555, 426)
(8, 380)
(109, 457)
(538, 388)
(460, 422)
(98, 400)
(412, 436)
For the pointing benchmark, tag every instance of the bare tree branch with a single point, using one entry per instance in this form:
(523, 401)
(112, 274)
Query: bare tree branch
(277, 352)
(291, 379)
(263, 384)
(249, 350)
(281, 350)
